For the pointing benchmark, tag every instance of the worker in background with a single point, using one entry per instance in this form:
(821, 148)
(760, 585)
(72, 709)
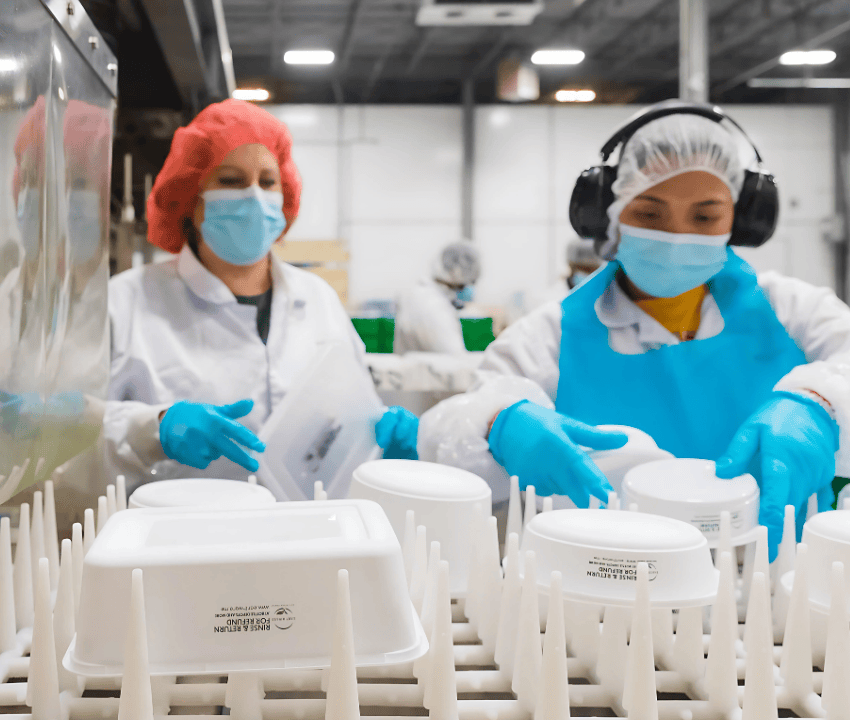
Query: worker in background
(676, 336)
(206, 345)
(427, 318)
(582, 262)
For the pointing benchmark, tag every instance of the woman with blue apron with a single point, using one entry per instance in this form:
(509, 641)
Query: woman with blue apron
(676, 335)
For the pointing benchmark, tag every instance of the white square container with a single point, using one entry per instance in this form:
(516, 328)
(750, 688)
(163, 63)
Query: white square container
(828, 536)
(442, 498)
(323, 429)
(249, 589)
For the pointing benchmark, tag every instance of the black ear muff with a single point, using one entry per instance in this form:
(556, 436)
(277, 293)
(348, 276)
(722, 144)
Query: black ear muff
(589, 202)
(757, 210)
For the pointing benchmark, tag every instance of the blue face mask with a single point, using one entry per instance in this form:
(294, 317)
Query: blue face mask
(240, 226)
(84, 231)
(669, 264)
(466, 294)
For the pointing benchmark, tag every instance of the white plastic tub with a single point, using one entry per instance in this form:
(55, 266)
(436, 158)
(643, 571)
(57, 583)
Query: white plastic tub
(688, 490)
(200, 493)
(598, 551)
(828, 536)
(245, 590)
(443, 499)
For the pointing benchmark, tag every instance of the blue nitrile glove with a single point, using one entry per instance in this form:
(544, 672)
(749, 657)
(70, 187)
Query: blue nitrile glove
(196, 434)
(789, 445)
(396, 433)
(541, 447)
(21, 414)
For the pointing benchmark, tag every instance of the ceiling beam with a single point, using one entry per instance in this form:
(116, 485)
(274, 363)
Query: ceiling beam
(377, 70)
(421, 48)
(346, 43)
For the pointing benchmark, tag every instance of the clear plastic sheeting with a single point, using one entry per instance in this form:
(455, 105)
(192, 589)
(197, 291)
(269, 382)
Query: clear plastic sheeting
(56, 119)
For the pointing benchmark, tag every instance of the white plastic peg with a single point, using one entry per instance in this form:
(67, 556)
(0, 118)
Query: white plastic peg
(78, 553)
(759, 565)
(318, 489)
(63, 616)
(121, 491)
(420, 667)
(252, 479)
(8, 627)
(553, 695)
(343, 701)
(639, 695)
(491, 586)
(88, 529)
(136, 701)
(611, 662)
(442, 687)
(796, 665)
(420, 569)
(514, 509)
(102, 513)
(613, 500)
(509, 610)
(37, 533)
(408, 545)
(759, 686)
(22, 575)
(688, 657)
(812, 507)
(244, 694)
(111, 501)
(836, 688)
(43, 680)
(530, 506)
(548, 503)
(529, 653)
(473, 584)
(51, 535)
(721, 676)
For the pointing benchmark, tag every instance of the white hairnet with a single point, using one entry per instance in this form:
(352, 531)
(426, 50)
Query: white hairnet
(458, 264)
(664, 148)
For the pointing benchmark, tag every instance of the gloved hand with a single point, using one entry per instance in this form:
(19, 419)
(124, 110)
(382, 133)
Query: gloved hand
(396, 433)
(196, 434)
(541, 447)
(21, 414)
(789, 445)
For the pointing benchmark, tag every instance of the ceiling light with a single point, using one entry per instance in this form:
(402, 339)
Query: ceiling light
(9, 64)
(557, 57)
(575, 96)
(308, 57)
(807, 57)
(812, 83)
(251, 94)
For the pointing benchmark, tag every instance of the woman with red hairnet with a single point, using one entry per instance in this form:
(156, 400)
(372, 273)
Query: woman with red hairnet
(206, 345)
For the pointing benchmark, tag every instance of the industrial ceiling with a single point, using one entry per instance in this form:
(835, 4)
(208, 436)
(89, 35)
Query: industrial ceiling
(631, 45)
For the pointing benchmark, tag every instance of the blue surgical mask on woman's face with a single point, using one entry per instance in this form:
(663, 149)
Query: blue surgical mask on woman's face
(240, 226)
(29, 220)
(84, 230)
(668, 264)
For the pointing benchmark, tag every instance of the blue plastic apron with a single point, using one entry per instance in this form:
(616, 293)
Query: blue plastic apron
(691, 397)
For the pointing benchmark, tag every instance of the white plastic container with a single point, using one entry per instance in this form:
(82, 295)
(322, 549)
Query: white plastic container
(597, 552)
(614, 464)
(200, 493)
(688, 490)
(323, 429)
(245, 590)
(442, 498)
(828, 536)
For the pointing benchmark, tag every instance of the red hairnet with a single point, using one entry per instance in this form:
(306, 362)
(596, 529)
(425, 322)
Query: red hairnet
(199, 148)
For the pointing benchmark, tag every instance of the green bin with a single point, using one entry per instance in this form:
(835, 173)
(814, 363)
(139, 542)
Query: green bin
(376, 333)
(477, 333)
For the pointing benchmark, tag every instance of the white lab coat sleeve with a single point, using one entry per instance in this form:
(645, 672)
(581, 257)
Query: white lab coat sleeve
(819, 323)
(521, 364)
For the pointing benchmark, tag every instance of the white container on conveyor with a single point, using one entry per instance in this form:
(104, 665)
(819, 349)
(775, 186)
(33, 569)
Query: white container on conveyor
(200, 493)
(248, 589)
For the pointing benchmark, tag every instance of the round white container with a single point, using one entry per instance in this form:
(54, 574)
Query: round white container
(200, 493)
(828, 536)
(598, 551)
(443, 499)
(688, 490)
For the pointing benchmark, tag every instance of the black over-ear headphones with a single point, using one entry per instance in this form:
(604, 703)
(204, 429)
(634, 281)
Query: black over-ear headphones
(756, 211)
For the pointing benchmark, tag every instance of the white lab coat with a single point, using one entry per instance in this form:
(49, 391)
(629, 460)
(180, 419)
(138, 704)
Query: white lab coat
(178, 333)
(426, 321)
(523, 364)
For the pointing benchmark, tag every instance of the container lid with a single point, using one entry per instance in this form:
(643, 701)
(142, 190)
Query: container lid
(834, 525)
(689, 481)
(422, 480)
(616, 530)
(200, 492)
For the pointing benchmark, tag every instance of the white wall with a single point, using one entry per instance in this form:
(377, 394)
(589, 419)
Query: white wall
(386, 179)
